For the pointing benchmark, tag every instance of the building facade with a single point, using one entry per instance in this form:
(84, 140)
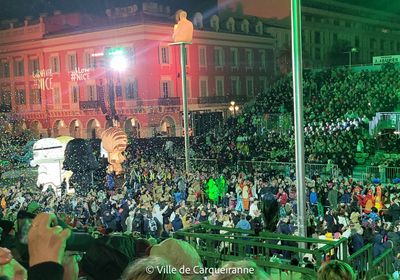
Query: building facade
(56, 79)
(331, 29)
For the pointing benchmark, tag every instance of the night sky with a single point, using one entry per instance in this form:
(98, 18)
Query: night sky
(267, 8)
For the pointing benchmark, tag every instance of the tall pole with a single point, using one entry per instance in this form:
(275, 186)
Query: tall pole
(298, 116)
(350, 58)
(182, 49)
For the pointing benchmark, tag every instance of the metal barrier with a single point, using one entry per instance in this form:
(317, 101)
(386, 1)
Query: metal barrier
(385, 174)
(199, 163)
(384, 120)
(286, 168)
(270, 251)
(273, 251)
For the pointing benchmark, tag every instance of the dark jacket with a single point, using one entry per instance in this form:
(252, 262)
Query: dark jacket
(46, 270)
(356, 242)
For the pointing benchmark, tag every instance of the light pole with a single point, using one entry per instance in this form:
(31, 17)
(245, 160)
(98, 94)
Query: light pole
(233, 108)
(297, 65)
(350, 52)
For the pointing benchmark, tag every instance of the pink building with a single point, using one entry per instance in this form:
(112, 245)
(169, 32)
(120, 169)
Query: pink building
(55, 76)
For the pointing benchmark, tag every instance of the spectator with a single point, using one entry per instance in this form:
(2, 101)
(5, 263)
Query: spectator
(336, 270)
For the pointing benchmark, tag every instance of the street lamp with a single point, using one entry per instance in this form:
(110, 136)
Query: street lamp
(350, 52)
(233, 108)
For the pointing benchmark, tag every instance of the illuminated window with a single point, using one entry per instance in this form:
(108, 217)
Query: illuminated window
(71, 62)
(57, 95)
(235, 86)
(249, 58)
(166, 89)
(4, 69)
(202, 56)
(164, 55)
(91, 93)
(18, 67)
(203, 87)
(131, 90)
(250, 86)
(219, 86)
(218, 57)
(234, 57)
(55, 64)
(33, 65)
(75, 93)
(35, 97)
(20, 96)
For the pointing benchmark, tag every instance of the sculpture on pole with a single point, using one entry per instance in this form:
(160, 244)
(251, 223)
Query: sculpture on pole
(183, 29)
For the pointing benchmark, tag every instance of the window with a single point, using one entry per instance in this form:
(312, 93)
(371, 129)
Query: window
(234, 58)
(317, 53)
(91, 93)
(317, 37)
(164, 55)
(250, 86)
(372, 43)
(71, 62)
(4, 69)
(219, 86)
(245, 26)
(33, 65)
(131, 55)
(55, 64)
(382, 44)
(166, 89)
(19, 68)
(75, 93)
(131, 90)
(335, 37)
(203, 87)
(357, 42)
(88, 59)
(35, 97)
(202, 56)
(218, 57)
(56, 95)
(263, 84)
(249, 58)
(235, 85)
(392, 45)
(20, 96)
(263, 59)
(398, 46)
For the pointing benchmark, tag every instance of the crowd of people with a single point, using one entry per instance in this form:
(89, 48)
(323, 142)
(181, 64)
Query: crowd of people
(122, 224)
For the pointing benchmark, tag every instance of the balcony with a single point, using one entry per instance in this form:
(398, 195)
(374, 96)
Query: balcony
(89, 105)
(223, 99)
(5, 108)
(169, 101)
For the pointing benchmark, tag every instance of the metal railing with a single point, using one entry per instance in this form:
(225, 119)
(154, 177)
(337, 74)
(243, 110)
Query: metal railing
(286, 168)
(385, 174)
(270, 251)
(169, 101)
(384, 120)
(199, 163)
(89, 105)
(273, 251)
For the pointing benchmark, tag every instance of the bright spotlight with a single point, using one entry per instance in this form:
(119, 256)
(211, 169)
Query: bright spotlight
(119, 63)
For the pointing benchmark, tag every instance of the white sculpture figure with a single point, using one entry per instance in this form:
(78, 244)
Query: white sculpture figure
(48, 154)
(66, 174)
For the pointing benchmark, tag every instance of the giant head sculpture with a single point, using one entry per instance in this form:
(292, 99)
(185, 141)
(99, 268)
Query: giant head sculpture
(183, 29)
(48, 154)
(114, 140)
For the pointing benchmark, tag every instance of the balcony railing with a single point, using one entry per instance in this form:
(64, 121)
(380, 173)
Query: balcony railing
(89, 105)
(222, 99)
(5, 108)
(169, 101)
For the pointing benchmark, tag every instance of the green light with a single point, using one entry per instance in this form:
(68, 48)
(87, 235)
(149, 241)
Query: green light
(115, 51)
